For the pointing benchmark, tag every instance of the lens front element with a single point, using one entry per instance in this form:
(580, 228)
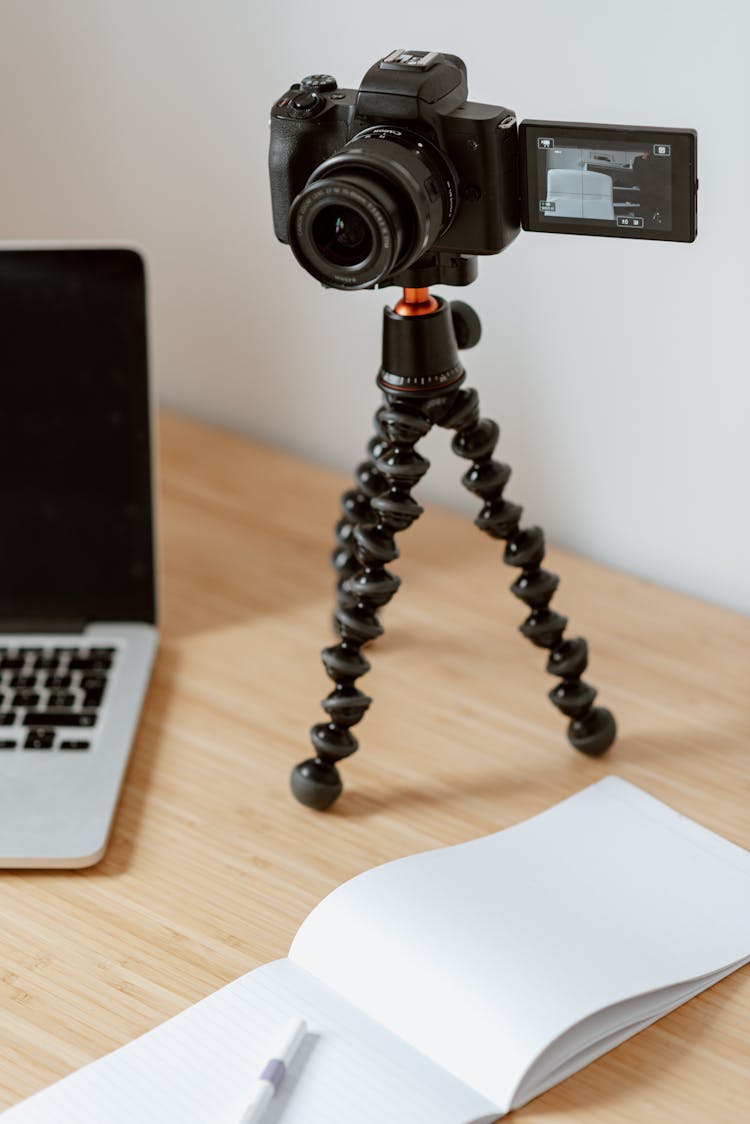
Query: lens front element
(342, 236)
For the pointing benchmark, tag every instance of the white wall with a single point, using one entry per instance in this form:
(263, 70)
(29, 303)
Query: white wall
(618, 371)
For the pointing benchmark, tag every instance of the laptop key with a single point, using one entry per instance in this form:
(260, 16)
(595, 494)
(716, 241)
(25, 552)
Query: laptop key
(55, 682)
(23, 681)
(46, 663)
(61, 699)
(93, 681)
(25, 698)
(58, 718)
(74, 745)
(7, 717)
(11, 663)
(93, 698)
(39, 738)
(8, 743)
(91, 663)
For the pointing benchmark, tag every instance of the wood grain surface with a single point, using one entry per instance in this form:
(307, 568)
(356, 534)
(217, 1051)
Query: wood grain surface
(212, 865)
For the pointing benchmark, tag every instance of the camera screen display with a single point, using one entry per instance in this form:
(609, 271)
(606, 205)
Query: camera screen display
(610, 180)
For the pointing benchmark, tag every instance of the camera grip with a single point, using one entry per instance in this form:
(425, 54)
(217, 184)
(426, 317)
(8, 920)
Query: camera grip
(295, 151)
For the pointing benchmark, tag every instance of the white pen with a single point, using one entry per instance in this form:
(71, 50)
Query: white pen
(274, 1071)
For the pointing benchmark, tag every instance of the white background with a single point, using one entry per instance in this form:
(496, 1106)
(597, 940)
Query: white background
(618, 372)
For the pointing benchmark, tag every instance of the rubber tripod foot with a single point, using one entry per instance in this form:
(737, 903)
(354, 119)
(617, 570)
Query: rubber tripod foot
(315, 784)
(595, 733)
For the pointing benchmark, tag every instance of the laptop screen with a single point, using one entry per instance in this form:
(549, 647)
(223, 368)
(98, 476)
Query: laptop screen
(75, 473)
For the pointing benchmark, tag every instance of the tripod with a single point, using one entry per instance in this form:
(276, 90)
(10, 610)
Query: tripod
(421, 379)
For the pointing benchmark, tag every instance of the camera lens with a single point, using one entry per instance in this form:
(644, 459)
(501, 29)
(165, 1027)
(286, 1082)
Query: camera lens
(371, 209)
(345, 230)
(342, 236)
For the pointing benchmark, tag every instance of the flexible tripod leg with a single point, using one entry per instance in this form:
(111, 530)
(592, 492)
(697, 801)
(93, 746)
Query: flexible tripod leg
(356, 511)
(316, 782)
(421, 376)
(591, 729)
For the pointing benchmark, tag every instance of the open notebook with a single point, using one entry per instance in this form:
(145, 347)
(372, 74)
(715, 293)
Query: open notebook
(451, 986)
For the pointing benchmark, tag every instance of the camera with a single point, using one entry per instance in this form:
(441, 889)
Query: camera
(365, 182)
(404, 176)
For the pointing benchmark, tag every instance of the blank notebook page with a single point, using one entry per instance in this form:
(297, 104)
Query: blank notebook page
(480, 955)
(200, 1067)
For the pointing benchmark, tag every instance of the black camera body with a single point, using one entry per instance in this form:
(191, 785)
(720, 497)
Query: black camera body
(405, 182)
(441, 172)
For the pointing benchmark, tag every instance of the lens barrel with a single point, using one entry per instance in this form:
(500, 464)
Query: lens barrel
(372, 209)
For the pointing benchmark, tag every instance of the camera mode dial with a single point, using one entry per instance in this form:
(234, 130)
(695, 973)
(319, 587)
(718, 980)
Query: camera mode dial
(321, 83)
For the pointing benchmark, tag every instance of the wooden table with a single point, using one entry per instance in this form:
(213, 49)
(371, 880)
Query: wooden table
(212, 865)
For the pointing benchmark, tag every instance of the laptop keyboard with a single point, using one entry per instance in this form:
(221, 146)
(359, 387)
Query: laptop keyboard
(50, 697)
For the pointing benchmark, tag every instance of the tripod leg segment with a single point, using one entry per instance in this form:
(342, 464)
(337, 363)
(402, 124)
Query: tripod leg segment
(316, 782)
(356, 510)
(591, 729)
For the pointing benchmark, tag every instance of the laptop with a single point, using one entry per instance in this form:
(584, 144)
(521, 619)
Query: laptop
(78, 631)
